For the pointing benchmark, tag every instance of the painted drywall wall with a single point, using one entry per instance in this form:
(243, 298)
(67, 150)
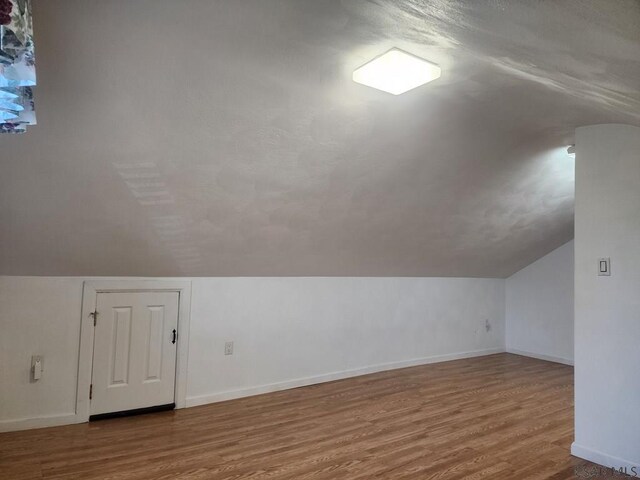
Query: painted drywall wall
(286, 332)
(39, 316)
(607, 308)
(273, 162)
(539, 308)
(293, 329)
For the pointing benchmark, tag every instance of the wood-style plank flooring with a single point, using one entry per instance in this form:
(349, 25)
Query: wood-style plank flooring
(497, 417)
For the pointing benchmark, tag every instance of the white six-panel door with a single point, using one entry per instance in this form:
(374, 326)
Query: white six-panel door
(134, 354)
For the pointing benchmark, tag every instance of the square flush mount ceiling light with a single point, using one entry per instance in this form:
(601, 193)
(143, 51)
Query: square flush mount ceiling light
(396, 72)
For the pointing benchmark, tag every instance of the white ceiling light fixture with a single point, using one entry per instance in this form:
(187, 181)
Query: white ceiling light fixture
(396, 72)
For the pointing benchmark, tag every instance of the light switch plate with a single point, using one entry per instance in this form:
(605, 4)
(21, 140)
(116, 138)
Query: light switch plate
(604, 266)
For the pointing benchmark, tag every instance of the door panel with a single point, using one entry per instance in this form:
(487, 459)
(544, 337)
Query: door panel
(134, 359)
(154, 344)
(119, 352)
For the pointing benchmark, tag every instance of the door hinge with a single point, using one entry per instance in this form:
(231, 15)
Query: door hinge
(95, 317)
(91, 391)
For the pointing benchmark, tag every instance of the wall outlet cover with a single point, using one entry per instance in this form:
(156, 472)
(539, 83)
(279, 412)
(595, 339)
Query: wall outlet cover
(37, 367)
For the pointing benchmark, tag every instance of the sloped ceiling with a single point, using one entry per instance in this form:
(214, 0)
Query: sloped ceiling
(201, 137)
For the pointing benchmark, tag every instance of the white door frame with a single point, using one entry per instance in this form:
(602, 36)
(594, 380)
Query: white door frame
(85, 363)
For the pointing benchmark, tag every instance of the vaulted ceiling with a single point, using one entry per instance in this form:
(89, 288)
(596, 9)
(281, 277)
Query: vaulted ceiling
(200, 137)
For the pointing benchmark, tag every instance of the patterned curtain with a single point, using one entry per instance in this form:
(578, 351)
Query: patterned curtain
(17, 66)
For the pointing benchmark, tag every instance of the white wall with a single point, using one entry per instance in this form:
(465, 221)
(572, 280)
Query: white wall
(607, 309)
(287, 332)
(539, 308)
(291, 329)
(38, 316)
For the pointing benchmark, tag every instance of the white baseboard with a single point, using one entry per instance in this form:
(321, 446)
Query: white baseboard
(540, 356)
(605, 459)
(39, 422)
(329, 377)
(68, 419)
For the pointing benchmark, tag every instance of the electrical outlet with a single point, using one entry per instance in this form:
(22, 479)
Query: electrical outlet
(228, 348)
(37, 367)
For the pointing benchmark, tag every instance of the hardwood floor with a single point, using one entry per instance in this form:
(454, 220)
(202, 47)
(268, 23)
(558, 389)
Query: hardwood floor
(498, 417)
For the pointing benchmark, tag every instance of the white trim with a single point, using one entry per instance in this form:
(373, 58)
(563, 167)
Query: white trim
(85, 358)
(540, 356)
(602, 458)
(328, 377)
(38, 422)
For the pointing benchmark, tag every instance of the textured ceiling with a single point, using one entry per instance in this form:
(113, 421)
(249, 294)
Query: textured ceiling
(200, 137)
